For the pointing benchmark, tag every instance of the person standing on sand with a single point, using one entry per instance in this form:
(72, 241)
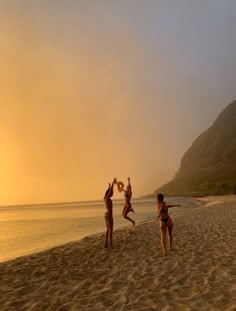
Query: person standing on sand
(109, 214)
(128, 207)
(165, 221)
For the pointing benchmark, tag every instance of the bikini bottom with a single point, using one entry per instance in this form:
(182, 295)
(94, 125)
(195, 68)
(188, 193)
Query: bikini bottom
(165, 220)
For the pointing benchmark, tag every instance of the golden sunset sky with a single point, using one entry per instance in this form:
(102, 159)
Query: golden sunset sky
(90, 90)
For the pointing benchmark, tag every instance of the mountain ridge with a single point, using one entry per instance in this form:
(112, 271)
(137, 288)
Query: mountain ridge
(208, 167)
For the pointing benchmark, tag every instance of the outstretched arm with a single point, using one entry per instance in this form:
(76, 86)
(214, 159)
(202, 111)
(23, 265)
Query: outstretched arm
(173, 205)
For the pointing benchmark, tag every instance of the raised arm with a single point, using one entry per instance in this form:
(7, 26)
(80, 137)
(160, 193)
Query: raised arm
(129, 187)
(110, 189)
(112, 185)
(107, 192)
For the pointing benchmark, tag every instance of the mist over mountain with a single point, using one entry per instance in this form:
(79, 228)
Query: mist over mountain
(209, 165)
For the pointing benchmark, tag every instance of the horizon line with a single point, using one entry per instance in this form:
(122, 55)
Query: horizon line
(65, 202)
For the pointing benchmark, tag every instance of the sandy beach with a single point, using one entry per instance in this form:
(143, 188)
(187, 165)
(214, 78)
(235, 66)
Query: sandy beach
(198, 275)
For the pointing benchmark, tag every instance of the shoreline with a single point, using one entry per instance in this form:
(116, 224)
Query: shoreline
(88, 237)
(82, 275)
(191, 202)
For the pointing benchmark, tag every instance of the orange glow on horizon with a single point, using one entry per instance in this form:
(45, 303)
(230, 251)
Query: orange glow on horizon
(86, 97)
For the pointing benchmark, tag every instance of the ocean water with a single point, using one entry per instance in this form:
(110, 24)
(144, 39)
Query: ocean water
(29, 229)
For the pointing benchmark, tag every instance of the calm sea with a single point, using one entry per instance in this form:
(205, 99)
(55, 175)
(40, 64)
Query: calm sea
(28, 229)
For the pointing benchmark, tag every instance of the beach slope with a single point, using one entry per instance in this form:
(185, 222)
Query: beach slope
(198, 275)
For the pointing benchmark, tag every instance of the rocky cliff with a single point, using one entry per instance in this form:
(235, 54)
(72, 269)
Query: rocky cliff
(209, 165)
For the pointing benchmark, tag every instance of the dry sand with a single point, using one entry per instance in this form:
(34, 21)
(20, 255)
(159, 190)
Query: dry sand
(198, 275)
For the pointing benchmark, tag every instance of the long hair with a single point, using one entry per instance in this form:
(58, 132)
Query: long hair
(160, 197)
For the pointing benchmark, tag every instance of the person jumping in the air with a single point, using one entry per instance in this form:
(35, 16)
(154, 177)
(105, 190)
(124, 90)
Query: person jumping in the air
(128, 207)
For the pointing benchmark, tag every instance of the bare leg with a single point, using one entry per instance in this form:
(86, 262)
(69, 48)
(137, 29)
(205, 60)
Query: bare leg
(170, 236)
(125, 215)
(163, 237)
(107, 233)
(110, 233)
(124, 211)
(131, 220)
(106, 239)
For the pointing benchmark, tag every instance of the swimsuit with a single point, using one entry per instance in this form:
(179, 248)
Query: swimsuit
(164, 210)
(108, 219)
(165, 220)
(109, 207)
(128, 205)
(128, 208)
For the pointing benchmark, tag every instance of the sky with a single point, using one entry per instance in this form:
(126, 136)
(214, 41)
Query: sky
(91, 90)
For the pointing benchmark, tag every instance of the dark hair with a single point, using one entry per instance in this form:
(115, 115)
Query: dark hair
(160, 197)
(108, 190)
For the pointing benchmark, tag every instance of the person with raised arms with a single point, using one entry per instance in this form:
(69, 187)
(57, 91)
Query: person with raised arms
(109, 214)
(128, 207)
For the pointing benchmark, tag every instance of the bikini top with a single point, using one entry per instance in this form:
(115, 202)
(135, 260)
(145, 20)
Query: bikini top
(164, 210)
(127, 195)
